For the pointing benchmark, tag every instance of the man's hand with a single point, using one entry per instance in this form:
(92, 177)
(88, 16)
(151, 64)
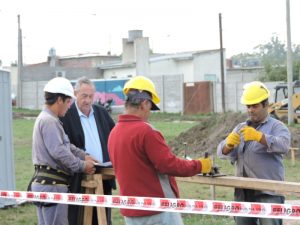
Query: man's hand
(206, 165)
(250, 134)
(90, 158)
(89, 167)
(232, 140)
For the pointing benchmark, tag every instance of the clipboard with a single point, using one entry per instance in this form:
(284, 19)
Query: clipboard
(101, 165)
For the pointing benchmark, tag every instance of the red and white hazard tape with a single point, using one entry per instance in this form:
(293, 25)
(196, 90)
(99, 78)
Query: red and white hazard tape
(226, 208)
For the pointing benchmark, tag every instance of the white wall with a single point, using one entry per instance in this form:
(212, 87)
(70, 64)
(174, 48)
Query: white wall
(167, 66)
(170, 90)
(119, 73)
(243, 75)
(141, 46)
(186, 68)
(171, 67)
(33, 94)
(233, 93)
(207, 63)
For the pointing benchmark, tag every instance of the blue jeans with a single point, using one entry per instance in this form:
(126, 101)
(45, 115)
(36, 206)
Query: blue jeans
(249, 196)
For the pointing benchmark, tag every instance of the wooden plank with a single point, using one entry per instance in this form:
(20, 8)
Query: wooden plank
(94, 185)
(236, 182)
(88, 210)
(108, 171)
(99, 191)
(243, 182)
(89, 184)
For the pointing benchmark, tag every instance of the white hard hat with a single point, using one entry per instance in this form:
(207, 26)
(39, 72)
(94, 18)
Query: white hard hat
(60, 85)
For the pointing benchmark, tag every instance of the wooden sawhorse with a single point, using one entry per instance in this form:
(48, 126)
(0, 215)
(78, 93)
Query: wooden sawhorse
(93, 184)
(293, 154)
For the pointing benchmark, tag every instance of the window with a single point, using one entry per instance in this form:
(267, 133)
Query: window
(210, 77)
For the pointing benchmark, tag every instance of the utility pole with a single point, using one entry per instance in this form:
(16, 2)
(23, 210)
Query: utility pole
(289, 65)
(222, 64)
(20, 65)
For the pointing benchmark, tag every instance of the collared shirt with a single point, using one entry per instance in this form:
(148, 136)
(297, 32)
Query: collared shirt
(51, 146)
(91, 135)
(256, 160)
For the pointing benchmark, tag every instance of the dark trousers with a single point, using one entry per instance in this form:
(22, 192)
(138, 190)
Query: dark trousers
(245, 195)
(95, 217)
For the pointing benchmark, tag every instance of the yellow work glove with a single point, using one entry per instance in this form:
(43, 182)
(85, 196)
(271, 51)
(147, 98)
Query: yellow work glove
(232, 140)
(250, 134)
(206, 165)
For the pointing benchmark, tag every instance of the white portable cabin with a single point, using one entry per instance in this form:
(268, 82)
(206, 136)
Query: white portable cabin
(7, 170)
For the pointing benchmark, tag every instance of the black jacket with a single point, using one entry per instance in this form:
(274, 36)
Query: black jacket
(73, 128)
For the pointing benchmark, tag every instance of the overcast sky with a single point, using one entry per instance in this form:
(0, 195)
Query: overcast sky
(97, 26)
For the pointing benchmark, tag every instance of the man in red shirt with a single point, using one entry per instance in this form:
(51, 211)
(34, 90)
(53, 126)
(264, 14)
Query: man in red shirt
(144, 164)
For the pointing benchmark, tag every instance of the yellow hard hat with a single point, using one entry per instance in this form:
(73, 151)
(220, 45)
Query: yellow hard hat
(254, 93)
(143, 84)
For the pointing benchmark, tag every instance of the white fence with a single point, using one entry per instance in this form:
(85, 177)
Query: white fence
(233, 93)
(169, 88)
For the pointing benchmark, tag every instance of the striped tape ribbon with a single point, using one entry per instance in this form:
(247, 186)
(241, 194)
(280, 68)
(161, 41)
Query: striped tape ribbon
(225, 208)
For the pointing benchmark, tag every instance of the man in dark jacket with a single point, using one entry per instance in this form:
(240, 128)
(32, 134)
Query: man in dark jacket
(88, 126)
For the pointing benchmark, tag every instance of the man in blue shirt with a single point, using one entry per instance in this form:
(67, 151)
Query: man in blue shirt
(256, 147)
(88, 126)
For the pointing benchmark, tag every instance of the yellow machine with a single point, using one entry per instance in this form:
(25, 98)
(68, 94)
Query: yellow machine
(279, 109)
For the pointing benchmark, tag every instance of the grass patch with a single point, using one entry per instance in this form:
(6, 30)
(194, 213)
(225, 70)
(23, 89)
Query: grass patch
(171, 129)
(34, 112)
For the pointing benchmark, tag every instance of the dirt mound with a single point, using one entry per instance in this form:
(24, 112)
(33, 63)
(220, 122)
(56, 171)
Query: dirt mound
(210, 131)
(206, 135)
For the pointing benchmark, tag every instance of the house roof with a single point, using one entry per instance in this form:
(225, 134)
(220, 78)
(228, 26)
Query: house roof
(181, 56)
(156, 57)
(86, 55)
(245, 68)
(116, 65)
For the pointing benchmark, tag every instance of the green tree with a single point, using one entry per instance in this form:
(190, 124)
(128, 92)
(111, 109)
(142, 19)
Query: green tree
(273, 56)
(296, 62)
(246, 60)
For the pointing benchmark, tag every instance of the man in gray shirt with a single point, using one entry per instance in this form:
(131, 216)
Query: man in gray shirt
(256, 147)
(54, 157)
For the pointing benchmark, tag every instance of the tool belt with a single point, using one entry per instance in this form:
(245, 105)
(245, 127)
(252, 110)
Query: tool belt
(49, 176)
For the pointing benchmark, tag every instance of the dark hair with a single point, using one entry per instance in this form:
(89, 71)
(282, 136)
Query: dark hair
(135, 103)
(265, 103)
(51, 98)
(135, 97)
